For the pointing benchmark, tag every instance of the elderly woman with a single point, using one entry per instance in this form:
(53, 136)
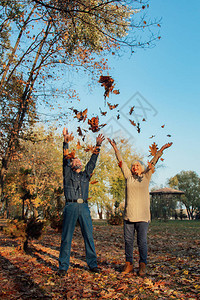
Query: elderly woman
(137, 207)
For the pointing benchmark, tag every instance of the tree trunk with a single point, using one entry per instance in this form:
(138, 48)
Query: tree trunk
(100, 213)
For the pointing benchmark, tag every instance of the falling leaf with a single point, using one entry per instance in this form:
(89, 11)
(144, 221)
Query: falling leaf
(163, 126)
(103, 113)
(169, 135)
(162, 159)
(131, 110)
(116, 92)
(108, 83)
(138, 127)
(118, 116)
(144, 120)
(112, 106)
(152, 136)
(120, 163)
(153, 149)
(94, 182)
(79, 131)
(94, 124)
(132, 122)
(80, 115)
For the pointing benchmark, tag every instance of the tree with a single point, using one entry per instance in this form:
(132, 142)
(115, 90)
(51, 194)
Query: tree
(44, 35)
(34, 177)
(188, 182)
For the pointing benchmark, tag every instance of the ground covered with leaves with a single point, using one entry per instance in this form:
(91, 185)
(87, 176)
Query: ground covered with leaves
(173, 269)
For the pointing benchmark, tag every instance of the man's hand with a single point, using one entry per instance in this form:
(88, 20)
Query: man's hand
(166, 146)
(100, 139)
(113, 144)
(67, 137)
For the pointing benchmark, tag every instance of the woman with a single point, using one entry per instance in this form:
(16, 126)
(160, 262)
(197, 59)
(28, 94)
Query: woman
(137, 206)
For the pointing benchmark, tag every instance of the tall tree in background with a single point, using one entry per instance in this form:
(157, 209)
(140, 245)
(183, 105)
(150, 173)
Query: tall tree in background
(188, 182)
(37, 37)
(34, 176)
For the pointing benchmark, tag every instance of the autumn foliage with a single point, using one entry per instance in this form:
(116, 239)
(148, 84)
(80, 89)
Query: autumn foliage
(172, 270)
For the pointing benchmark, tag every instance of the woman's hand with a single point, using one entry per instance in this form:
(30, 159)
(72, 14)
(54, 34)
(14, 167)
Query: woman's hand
(113, 144)
(166, 146)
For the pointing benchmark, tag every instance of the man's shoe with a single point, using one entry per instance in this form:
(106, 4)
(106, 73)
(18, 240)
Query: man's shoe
(142, 269)
(61, 273)
(128, 268)
(95, 270)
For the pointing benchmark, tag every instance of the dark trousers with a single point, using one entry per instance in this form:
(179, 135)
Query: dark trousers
(72, 213)
(129, 232)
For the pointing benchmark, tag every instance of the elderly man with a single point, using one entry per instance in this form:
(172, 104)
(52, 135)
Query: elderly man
(76, 186)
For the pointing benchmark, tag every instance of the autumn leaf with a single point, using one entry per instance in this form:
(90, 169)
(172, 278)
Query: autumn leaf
(120, 163)
(163, 126)
(152, 136)
(169, 135)
(116, 92)
(108, 83)
(138, 127)
(94, 182)
(103, 113)
(80, 115)
(112, 106)
(131, 110)
(94, 124)
(132, 122)
(153, 149)
(79, 131)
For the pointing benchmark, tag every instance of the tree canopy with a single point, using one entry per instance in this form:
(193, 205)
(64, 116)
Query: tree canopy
(188, 182)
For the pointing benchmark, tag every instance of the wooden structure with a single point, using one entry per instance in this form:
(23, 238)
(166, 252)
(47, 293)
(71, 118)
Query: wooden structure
(166, 192)
(161, 201)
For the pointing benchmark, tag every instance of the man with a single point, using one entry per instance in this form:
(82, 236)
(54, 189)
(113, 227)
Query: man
(76, 187)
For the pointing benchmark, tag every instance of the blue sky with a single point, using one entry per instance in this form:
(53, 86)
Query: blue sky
(167, 77)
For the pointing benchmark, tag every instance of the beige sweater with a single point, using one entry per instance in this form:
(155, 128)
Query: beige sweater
(137, 200)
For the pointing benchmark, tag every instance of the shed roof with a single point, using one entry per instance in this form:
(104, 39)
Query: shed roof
(166, 191)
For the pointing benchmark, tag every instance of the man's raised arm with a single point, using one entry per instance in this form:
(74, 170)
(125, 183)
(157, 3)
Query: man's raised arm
(66, 160)
(92, 162)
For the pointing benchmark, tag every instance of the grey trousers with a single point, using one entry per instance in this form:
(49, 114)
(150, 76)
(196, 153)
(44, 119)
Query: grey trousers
(129, 232)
